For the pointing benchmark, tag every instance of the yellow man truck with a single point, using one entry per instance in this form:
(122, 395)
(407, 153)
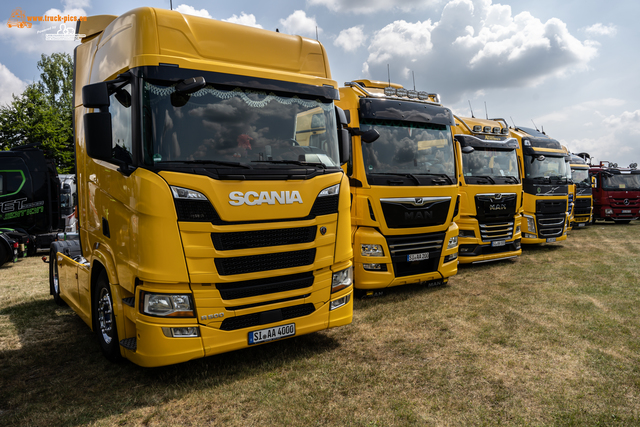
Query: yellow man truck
(213, 210)
(582, 192)
(403, 184)
(545, 187)
(490, 191)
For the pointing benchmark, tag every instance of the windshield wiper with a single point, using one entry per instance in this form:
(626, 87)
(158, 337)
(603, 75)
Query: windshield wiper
(487, 177)
(207, 162)
(541, 178)
(290, 162)
(559, 178)
(408, 175)
(512, 178)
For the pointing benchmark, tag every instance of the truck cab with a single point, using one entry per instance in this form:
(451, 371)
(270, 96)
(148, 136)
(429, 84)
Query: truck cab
(545, 186)
(616, 193)
(490, 186)
(582, 199)
(404, 193)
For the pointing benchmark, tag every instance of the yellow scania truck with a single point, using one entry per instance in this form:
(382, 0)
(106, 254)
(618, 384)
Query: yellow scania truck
(402, 176)
(490, 191)
(545, 186)
(213, 209)
(582, 193)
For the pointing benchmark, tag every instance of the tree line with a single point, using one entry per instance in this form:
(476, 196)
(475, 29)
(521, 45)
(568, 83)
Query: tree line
(43, 113)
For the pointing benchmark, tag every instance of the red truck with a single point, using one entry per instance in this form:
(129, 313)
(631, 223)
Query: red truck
(616, 192)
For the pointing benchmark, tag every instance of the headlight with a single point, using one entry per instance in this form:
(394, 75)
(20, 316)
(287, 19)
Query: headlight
(185, 193)
(330, 191)
(453, 242)
(371, 250)
(166, 305)
(608, 211)
(342, 279)
(531, 223)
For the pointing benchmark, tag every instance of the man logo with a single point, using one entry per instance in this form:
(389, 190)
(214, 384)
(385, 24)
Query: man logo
(497, 196)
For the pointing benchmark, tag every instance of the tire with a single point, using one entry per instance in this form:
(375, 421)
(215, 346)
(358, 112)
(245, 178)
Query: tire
(54, 278)
(622, 221)
(104, 319)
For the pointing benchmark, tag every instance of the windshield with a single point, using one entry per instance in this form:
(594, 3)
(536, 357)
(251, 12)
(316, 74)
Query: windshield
(550, 167)
(409, 148)
(621, 182)
(581, 177)
(230, 126)
(490, 162)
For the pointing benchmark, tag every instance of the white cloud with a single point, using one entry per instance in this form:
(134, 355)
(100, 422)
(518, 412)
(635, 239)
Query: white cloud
(601, 30)
(372, 6)
(244, 19)
(299, 23)
(10, 85)
(190, 10)
(351, 38)
(477, 45)
(580, 109)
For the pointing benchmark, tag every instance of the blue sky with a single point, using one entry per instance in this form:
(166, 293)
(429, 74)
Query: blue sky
(571, 67)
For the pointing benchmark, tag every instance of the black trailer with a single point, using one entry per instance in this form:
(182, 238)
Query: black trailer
(30, 195)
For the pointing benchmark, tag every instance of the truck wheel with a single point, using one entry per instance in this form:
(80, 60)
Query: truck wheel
(104, 319)
(54, 278)
(622, 221)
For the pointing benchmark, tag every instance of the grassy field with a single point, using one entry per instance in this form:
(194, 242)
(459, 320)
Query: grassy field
(552, 338)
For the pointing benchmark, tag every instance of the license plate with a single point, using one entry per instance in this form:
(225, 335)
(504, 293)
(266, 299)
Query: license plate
(270, 334)
(581, 224)
(626, 211)
(418, 257)
(497, 243)
(551, 239)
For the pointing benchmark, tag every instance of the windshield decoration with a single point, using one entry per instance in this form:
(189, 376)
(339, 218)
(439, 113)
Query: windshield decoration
(237, 128)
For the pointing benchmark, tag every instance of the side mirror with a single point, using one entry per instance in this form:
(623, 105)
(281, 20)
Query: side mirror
(96, 95)
(370, 136)
(344, 143)
(97, 135)
(467, 149)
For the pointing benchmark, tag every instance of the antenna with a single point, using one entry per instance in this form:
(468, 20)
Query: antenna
(414, 80)
(389, 75)
(472, 116)
(542, 127)
(485, 110)
(514, 123)
(171, 4)
(534, 125)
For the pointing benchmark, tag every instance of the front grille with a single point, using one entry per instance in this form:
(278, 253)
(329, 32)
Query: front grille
(263, 238)
(271, 285)
(582, 207)
(551, 206)
(620, 203)
(195, 210)
(494, 208)
(325, 205)
(267, 317)
(405, 214)
(401, 247)
(550, 225)
(496, 231)
(266, 262)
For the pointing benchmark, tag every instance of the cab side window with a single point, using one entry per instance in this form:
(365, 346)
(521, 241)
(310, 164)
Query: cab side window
(120, 109)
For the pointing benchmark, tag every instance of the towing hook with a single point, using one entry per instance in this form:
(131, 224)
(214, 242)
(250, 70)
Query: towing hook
(45, 260)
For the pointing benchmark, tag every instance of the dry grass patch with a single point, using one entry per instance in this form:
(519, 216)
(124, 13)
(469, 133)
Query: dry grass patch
(551, 338)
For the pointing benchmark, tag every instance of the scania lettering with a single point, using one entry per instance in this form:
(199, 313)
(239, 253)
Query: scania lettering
(490, 189)
(403, 185)
(545, 187)
(213, 209)
(252, 198)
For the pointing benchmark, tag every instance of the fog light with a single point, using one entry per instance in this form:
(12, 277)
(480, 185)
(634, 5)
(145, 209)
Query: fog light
(518, 229)
(188, 332)
(451, 257)
(608, 211)
(453, 242)
(375, 267)
(467, 233)
(530, 236)
(339, 302)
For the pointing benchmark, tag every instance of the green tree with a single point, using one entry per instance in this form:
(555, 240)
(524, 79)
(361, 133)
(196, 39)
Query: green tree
(43, 113)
